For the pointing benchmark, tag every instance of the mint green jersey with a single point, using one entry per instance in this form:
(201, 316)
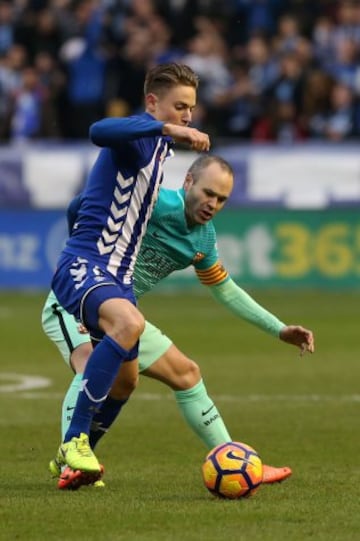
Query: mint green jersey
(170, 245)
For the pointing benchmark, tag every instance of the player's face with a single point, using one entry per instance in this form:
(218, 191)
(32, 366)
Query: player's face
(207, 195)
(175, 105)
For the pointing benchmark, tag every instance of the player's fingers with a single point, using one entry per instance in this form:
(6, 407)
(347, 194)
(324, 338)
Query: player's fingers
(201, 145)
(310, 342)
(307, 346)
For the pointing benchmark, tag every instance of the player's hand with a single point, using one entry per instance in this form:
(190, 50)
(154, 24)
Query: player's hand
(298, 336)
(197, 140)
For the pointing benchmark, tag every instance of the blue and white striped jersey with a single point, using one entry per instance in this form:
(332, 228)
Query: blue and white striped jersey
(120, 192)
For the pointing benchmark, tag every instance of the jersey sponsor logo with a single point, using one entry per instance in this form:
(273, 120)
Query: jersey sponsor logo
(198, 257)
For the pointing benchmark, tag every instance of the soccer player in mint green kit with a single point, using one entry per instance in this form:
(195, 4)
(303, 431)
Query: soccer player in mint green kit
(180, 233)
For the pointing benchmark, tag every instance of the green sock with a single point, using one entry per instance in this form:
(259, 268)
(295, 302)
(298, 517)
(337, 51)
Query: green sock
(69, 403)
(202, 415)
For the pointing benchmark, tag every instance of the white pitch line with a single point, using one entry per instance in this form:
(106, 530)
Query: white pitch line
(155, 397)
(23, 386)
(22, 382)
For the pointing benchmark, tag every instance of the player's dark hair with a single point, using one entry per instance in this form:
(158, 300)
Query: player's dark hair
(204, 161)
(165, 76)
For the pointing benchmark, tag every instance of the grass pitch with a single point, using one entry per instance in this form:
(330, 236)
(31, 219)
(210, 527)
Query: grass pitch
(302, 412)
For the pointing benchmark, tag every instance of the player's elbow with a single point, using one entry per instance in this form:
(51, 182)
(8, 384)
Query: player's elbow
(96, 133)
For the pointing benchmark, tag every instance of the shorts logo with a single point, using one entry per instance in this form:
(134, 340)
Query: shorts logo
(99, 275)
(78, 271)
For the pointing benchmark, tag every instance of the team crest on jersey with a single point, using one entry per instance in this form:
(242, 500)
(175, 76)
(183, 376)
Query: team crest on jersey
(198, 257)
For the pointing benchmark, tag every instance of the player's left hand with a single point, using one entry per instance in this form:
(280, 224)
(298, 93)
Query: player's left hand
(298, 336)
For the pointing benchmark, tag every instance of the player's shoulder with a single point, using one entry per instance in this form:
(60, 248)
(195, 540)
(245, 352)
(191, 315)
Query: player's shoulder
(208, 233)
(170, 199)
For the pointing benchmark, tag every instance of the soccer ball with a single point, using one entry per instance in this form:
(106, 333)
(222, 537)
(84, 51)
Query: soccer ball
(232, 470)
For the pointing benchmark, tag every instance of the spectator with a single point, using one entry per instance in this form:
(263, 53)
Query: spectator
(6, 26)
(85, 64)
(323, 40)
(264, 69)
(344, 67)
(288, 35)
(288, 87)
(208, 57)
(281, 124)
(52, 81)
(348, 24)
(251, 57)
(339, 122)
(234, 110)
(125, 74)
(317, 92)
(27, 115)
(11, 66)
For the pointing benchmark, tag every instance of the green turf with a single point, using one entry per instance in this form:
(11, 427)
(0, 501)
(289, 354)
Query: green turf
(302, 412)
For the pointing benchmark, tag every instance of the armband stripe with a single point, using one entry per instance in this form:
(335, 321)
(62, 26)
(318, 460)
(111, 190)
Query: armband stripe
(213, 275)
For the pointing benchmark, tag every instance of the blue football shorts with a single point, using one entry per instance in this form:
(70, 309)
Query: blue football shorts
(63, 330)
(81, 286)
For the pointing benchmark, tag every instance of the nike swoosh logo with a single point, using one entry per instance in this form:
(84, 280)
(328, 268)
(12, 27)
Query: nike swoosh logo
(207, 411)
(69, 409)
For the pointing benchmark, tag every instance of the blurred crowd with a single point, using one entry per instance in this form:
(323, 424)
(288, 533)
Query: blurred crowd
(270, 70)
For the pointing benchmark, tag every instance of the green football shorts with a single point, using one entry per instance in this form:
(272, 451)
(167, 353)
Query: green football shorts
(62, 329)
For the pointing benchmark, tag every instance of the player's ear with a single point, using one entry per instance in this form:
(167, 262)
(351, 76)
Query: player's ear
(188, 182)
(151, 102)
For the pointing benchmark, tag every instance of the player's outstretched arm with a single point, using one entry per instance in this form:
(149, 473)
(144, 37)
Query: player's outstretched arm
(298, 336)
(240, 303)
(196, 139)
(109, 132)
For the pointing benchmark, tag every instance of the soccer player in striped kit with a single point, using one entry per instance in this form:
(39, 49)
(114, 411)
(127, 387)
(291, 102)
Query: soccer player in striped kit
(180, 234)
(93, 280)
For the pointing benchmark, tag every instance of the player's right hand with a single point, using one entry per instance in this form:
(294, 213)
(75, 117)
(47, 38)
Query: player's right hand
(197, 140)
(298, 336)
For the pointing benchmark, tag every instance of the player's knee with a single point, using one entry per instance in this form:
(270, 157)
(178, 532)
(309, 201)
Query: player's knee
(79, 357)
(127, 330)
(133, 327)
(189, 377)
(122, 321)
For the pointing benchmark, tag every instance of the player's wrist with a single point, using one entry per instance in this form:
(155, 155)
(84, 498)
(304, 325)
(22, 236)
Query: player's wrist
(166, 128)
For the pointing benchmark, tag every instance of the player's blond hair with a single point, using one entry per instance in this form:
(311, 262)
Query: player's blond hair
(165, 76)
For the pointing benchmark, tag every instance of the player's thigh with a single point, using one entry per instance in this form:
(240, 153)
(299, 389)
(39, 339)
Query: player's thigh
(153, 344)
(110, 309)
(160, 359)
(62, 329)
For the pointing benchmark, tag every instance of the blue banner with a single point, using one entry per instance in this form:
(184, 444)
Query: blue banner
(259, 247)
(30, 244)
